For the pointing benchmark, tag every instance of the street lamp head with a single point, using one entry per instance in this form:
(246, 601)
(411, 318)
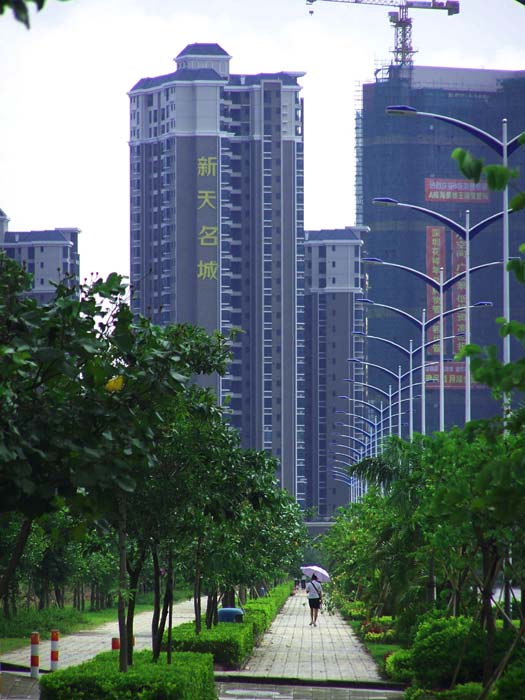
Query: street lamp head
(372, 260)
(353, 359)
(405, 110)
(385, 201)
(359, 333)
(483, 303)
(365, 301)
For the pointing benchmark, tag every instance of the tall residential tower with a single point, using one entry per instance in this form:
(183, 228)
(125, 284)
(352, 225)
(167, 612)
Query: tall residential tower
(216, 175)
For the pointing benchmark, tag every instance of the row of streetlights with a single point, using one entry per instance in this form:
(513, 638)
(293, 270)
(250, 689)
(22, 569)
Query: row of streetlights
(503, 148)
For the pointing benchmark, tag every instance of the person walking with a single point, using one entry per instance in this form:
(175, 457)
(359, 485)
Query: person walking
(314, 591)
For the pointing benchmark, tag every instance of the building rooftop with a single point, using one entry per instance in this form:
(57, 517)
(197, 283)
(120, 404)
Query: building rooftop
(59, 235)
(182, 75)
(203, 50)
(348, 234)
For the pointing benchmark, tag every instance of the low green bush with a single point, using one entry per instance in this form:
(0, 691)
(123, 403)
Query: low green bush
(399, 666)
(258, 619)
(511, 685)
(230, 643)
(349, 609)
(439, 644)
(270, 604)
(188, 677)
(467, 691)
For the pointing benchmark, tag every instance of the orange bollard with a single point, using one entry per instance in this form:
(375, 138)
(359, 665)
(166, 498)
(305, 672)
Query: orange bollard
(35, 654)
(55, 638)
(115, 643)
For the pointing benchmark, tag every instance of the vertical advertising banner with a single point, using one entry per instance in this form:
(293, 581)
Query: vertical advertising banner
(435, 260)
(458, 291)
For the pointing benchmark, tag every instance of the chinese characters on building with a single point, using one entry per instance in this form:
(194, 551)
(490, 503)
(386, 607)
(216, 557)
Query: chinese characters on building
(207, 226)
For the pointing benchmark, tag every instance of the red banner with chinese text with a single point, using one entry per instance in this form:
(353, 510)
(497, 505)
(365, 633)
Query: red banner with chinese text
(435, 259)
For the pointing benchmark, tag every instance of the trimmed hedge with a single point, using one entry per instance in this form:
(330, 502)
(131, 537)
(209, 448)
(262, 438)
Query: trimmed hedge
(189, 677)
(230, 643)
(269, 605)
(399, 666)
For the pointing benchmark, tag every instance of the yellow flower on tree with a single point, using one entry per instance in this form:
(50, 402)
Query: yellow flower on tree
(115, 383)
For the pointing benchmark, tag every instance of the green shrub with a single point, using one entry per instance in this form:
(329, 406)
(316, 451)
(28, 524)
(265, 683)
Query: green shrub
(270, 604)
(258, 619)
(415, 693)
(468, 691)
(230, 643)
(349, 609)
(510, 686)
(399, 666)
(189, 677)
(439, 644)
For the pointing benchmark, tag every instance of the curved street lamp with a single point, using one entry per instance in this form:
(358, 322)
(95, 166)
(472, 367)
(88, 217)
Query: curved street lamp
(410, 352)
(504, 148)
(441, 286)
(467, 233)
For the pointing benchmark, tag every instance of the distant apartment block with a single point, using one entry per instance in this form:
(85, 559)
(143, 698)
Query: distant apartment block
(50, 256)
(333, 282)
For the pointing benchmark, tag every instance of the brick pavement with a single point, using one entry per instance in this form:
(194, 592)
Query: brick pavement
(290, 651)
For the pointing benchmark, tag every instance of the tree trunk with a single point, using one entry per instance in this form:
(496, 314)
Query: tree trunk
(242, 595)
(18, 550)
(211, 608)
(155, 640)
(197, 584)
(228, 598)
(490, 562)
(123, 654)
(169, 589)
(507, 594)
(134, 575)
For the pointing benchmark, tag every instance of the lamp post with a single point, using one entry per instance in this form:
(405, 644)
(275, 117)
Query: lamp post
(467, 233)
(504, 148)
(365, 445)
(440, 286)
(397, 377)
(410, 352)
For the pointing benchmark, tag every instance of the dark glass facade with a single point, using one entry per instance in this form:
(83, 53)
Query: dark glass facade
(409, 159)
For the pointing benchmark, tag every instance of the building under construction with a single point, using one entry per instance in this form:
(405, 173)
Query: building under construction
(408, 159)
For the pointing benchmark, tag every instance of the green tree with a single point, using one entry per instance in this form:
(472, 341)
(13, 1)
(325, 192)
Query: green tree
(21, 8)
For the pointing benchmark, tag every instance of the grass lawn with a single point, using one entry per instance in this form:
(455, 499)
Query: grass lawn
(16, 635)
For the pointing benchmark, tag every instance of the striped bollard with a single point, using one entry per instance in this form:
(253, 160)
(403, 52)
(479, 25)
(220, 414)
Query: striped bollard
(55, 638)
(35, 654)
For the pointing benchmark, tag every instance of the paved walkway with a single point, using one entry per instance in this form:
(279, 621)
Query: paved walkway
(294, 649)
(291, 651)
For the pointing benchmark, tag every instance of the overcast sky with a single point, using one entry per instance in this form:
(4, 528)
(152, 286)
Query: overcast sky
(64, 104)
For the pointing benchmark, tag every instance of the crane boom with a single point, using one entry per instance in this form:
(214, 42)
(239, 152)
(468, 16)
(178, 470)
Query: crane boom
(403, 50)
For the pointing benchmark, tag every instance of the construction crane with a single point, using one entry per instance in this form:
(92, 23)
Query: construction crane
(403, 49)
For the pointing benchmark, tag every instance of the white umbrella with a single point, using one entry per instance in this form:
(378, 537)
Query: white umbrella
(321, 574)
